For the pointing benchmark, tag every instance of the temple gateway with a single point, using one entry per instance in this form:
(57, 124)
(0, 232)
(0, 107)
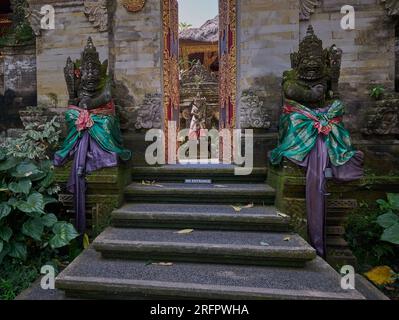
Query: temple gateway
(257, 62)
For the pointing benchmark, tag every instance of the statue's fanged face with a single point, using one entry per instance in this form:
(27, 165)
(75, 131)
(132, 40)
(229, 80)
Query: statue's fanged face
(91, 74)
(311, 67)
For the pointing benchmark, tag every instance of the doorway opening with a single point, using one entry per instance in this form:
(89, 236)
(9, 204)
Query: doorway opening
(199, 67)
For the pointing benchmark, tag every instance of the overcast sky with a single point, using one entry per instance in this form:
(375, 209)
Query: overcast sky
(196, 12)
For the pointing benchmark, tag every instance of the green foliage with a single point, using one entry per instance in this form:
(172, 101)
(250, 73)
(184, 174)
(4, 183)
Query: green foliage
(389, 220)
(377, 92)
(364, 237)
(366, 233)
(27, 187)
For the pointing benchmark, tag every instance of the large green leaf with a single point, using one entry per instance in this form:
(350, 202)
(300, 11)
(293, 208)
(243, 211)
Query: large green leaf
(63, 234)
(48, 180)
(5, 210)
(391, 234)
(49, 220)
(26, 169)
(393, 199)
(47, 200)
(33, 228)
(1, 246)
(3, 154)
(18, 250)
(5, 233)
(22, 186)
(34, 203)
(388, 219)
(8, 164)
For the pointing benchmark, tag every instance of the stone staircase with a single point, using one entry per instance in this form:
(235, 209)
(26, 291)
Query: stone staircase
(175, 240)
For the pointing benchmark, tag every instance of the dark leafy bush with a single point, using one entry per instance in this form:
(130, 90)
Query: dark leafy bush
(364, 235)
(27, 187)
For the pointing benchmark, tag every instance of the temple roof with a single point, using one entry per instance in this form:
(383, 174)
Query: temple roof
(208, 32)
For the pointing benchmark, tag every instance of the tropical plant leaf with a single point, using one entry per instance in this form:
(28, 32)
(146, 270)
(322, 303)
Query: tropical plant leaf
(25, 169)
(49, 220)
(5, 233)
(18, 250)
(48, 180)
(34, 203)
(47, 200)
(22, 186)
(63, 234)
(8, 164)
(391, 234)
(3, 154)
(393, 199)
(5, 210)
(33, 228)
(388, 220)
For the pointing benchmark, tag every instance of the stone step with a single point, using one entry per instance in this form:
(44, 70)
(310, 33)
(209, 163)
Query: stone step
(170, 192)
(92, 277)
(213, 172)
(199, 216)
(335, 230)
(205, 246)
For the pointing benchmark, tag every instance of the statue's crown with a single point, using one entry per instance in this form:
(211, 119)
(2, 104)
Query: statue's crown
(90, 53)
(311, 44)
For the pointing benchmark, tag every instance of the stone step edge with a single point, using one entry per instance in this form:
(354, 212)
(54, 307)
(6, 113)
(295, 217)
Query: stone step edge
(188, 252)
(124, 218)
(82, 286)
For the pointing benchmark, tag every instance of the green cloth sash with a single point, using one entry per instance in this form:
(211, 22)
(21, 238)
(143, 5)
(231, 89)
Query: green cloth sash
(300, 126)
(105, 131)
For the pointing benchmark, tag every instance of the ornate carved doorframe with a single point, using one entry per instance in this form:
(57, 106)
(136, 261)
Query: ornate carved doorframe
(170, 16)
(227, 58)
(228, 63)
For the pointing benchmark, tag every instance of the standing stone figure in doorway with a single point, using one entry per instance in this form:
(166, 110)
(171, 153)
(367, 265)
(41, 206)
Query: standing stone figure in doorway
(311, 129)
(94, 139)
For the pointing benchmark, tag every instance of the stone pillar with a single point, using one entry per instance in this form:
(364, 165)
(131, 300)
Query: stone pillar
(135, 54)
(268, 31)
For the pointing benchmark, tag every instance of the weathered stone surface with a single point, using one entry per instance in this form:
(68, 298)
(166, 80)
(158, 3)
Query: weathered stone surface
(17, 84)
(268, 31)
(228, 247)
(253, 113)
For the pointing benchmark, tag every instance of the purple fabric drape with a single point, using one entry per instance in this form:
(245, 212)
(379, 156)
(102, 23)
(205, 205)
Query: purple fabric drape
(316, 164)
(88, 157)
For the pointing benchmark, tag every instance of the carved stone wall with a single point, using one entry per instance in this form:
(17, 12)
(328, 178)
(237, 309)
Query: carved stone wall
(368, 52)
(268, 31)
(135, 55)
(53, 47)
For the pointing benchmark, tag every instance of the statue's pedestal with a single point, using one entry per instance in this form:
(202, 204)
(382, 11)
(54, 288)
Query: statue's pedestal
(290, 183)
(344, 198)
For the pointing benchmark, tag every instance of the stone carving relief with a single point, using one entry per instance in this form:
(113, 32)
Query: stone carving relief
(198, 74)
(133, 5)
(253, 113)
(306, 8)
(96, 12)
(384, 119)
(392, 7)
(149, 115)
